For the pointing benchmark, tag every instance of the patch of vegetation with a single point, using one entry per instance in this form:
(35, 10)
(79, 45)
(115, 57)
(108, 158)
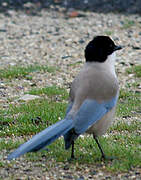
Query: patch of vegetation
(128, 23)
(31, 117)
(124, 126)
(135, 70)
(50, 92)
(1, 164)
(75, 64)
(108, 33)
(9, 144)
(12, 72)
(129, 103)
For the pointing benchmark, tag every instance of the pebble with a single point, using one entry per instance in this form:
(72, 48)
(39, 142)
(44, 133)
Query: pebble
(28, 97)
(81, 178)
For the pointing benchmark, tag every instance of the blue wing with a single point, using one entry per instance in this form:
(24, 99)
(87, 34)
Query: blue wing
(69, 107)
(90, 112)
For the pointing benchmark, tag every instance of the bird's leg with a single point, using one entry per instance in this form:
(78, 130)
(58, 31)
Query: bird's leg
(72, 150)
(101, 150)
(103, 157)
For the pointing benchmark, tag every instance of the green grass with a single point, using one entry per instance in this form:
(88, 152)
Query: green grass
(128, 24)
(12, 72)
(31, 117)
(50, 92)
(124, 126)
(9, 144)
(109, 33)
(135, 70)
(75, 64)
(129, 103)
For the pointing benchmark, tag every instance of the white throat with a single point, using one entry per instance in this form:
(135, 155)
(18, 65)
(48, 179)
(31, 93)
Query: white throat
(110, 63)
(111, 59)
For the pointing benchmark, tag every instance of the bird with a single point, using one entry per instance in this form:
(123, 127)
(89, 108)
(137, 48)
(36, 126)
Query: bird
(92, 101)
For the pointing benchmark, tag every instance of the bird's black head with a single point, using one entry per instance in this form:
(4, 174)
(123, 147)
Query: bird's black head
(99, 48)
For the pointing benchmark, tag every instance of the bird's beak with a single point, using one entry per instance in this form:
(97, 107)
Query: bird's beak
(117, 48)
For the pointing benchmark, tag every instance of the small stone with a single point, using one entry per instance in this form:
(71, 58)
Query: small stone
(73, 14)
(66, 167)
(131, 75)
(65, 57)
(68, 177)
(136, 47)
(2, 30)
(28, 5)
(137, 173)
(100, 174)
(93, 172)
(4, 4)
(81, 178)
(81, 41)
(28, 97)
(133, 177)
(108, 177)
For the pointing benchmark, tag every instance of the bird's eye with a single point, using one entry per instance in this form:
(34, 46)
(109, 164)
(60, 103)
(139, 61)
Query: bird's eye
(111, 45)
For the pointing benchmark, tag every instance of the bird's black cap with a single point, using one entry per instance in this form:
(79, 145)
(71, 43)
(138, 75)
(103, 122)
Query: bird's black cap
(99, 48)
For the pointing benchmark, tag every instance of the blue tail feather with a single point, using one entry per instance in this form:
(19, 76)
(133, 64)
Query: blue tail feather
(42, 139)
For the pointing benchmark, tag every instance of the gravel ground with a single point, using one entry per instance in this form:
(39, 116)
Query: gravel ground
(126, 6)
(52, 38)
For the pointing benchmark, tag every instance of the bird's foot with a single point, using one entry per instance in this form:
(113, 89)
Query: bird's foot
(72, 158)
